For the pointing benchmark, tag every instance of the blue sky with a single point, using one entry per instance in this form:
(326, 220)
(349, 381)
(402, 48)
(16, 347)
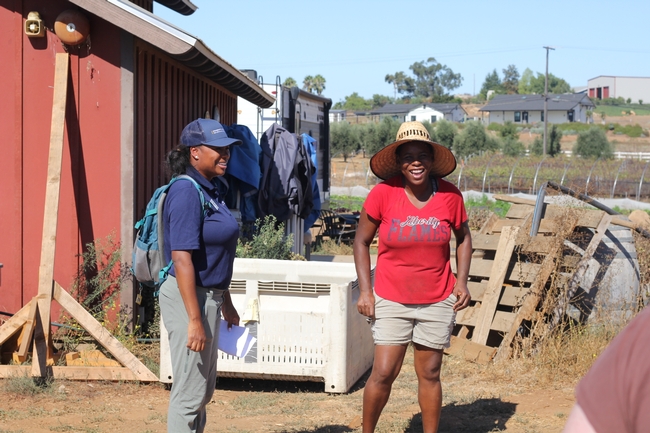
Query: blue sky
(355, 43)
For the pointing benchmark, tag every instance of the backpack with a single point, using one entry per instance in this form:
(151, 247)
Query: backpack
(148, 261)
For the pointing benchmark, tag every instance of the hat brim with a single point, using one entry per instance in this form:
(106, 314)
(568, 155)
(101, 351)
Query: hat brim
(384, 163)
(223, 142)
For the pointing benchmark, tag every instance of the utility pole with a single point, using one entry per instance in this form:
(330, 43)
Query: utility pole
(546, 100)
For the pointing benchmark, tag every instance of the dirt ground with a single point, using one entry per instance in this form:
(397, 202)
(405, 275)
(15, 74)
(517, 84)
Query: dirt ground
(477, 399)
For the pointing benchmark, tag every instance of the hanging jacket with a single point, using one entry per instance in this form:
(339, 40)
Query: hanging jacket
(310, 145)
(286, 167)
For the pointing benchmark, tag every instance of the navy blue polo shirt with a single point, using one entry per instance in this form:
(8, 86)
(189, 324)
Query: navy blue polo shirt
(213, 242)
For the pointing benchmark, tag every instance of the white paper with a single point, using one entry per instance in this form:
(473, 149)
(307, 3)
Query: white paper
(235, 341)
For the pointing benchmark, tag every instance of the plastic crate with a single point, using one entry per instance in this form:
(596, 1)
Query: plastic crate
(308, 328)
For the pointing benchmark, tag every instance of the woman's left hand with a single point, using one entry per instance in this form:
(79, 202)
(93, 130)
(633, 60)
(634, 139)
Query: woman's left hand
(229, 312)
(463, 296)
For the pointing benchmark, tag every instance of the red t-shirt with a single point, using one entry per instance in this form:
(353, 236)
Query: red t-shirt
(413, 259)
(615, 393)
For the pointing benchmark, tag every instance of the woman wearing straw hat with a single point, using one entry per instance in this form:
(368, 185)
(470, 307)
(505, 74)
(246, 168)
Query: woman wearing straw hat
(415, 295)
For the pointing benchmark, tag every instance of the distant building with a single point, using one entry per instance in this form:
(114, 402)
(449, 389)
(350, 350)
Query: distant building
(337, 115)
(608, 86)
(421, 112)
(526, 109)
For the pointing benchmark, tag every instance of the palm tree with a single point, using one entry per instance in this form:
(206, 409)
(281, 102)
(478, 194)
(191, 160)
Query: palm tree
(318, 84)
(289, 82)
(308, 83)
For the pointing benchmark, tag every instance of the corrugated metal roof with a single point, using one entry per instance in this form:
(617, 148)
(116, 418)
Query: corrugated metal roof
(184, 7)
(562, 102)
(180, 45)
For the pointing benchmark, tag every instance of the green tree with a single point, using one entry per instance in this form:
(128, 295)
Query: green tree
(553, 145)
(318, 84)
(555, 85)
(473, 140)
(402, 83)
(431, 80)
(344, 139)
(445, 132)
(524, 82)
(354, 102)
(379, 101)
(492, 82)
(289, 82)
(593, 143)
(513, 147)
(510, 79)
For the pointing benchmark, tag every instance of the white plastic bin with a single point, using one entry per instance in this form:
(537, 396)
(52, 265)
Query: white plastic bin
(307, 327)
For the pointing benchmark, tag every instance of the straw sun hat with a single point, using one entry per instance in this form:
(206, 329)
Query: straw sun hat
(384, 163)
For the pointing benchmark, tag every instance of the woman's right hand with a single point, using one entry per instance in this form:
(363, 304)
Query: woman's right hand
(195, 336)
(366, 304)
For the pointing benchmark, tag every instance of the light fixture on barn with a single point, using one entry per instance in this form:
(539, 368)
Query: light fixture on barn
(34, 27)
(73, 28)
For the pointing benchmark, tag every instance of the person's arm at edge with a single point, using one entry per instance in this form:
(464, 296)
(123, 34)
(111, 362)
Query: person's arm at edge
(463, 260)
(578, 422)
(366, 231)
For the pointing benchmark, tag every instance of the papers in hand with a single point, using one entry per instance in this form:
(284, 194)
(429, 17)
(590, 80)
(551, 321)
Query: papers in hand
(235, 341)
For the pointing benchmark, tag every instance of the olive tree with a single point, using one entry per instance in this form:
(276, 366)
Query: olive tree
(593, 143)
(473, 140)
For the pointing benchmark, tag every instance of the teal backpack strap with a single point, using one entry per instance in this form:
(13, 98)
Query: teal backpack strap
(164, 271)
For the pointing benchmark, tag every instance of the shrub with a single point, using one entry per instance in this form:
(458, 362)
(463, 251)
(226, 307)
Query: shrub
(509, 130)
(344, 138)
(268, 242)
(593, 144)
(513, 147)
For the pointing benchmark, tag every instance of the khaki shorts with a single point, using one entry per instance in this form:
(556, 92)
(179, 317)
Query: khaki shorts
(427, 324)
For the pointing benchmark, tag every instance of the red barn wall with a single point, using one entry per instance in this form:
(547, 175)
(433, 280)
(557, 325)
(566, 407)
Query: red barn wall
(89, 204)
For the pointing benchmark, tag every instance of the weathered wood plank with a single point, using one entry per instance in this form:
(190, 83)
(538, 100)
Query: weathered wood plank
(516, 272)
(50, 219)
(101, 334)
(516, 200)
(519, 211)
(470, 351)
(73, 373)
(15, 322)
(28, 331)
(495, 284)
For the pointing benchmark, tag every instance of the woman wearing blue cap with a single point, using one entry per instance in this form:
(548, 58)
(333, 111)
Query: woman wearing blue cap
(201, 242)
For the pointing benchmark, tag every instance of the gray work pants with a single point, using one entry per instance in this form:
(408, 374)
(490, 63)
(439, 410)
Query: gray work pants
(195, 373)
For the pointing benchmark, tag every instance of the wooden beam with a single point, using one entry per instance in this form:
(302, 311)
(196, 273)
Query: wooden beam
(516, 200)
(495, 283)
(15, 322)
(581, 268)
(103, 337)
(52, 191)
(28, 331)
(73, 373)
(470, 351)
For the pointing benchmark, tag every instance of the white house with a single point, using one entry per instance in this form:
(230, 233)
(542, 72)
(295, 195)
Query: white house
(608, 86)
(422, 112)
(525, 109)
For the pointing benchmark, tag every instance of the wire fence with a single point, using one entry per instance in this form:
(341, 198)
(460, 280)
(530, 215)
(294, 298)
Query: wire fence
(496, 173)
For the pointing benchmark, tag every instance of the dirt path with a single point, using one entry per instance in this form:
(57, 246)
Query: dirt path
(476, 400)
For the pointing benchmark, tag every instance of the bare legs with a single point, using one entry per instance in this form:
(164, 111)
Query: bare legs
(386, 368)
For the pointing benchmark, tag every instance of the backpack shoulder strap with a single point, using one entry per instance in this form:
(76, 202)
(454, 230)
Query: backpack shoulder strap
(162, 275)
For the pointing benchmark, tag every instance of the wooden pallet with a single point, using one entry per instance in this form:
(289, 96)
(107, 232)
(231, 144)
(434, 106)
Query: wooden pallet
(506, 290)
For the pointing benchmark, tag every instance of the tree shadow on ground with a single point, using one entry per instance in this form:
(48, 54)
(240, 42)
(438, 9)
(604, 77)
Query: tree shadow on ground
(481, 416)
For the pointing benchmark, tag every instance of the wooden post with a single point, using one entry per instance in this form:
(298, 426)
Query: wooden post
(50, 218)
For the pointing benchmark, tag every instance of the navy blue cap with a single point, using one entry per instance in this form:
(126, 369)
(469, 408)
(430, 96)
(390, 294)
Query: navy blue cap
(208, 132)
